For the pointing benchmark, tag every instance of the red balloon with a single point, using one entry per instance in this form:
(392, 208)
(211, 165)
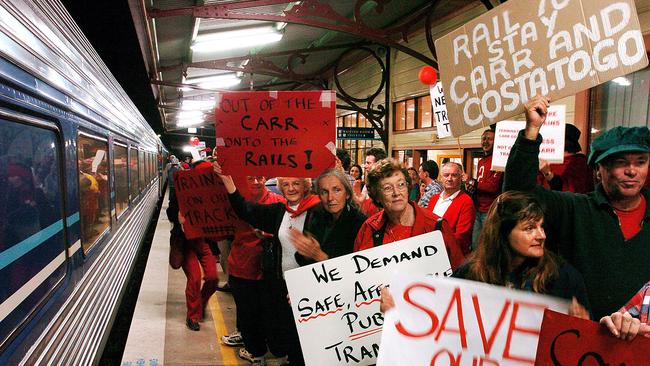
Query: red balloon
(428, 75)
(194, 141)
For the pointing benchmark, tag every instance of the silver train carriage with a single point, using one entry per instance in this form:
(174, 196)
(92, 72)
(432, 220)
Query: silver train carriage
(79, 181)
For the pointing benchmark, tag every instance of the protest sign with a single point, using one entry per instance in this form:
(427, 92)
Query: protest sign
(552, 148)
(203, 202)
(446, 321)
(440, 110)
(566, 340)
(276, 134)
(498, 61)
(336, 302)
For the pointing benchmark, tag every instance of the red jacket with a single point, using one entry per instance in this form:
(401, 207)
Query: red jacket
(246, 250)
(575, 175)
(488, 186)
(460, 215)
(425, 221)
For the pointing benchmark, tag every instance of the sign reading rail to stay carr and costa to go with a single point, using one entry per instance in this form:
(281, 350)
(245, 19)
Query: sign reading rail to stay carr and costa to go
(276, 133)
(523, 48)
(336, 302)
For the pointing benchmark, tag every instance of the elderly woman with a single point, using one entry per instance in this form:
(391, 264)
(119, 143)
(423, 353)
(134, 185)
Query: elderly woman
(511, 253)
(277, 221)
(332, 226)
(388, 185)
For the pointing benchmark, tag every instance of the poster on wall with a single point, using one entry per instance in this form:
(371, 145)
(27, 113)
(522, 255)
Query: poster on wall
(276, 133)
(495, 63)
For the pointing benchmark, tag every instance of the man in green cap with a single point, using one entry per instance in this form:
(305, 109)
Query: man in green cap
(601, 233)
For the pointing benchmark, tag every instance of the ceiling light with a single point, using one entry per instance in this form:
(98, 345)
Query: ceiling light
(215, 81)
(188, 105)
(191, 130)
(189, 115)
(236, 39)
(189, 122)
(622, 81)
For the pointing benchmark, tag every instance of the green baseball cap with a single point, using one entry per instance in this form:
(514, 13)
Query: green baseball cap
(617, 140)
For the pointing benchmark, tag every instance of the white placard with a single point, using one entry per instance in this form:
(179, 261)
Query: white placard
(447, 321)
(336, 302)
(552, 148)
(440, 110)
(99, 156)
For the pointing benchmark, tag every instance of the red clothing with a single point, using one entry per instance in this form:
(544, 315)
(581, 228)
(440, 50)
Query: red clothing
(369, 208)
(425, 221)
(246, 247)
(632, 220)
(197, 255)
(460, 215)
(488, 186)
(574, 173)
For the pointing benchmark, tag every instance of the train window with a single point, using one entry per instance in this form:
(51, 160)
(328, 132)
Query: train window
(120, 165)
(94, 203)
(133, 172)
(31, 220)
(141, 169)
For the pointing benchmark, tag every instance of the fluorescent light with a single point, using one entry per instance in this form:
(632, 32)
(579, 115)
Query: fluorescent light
(215, 81)
(189, 115)
(191, 130)
(622, 81)
(189, 122)
(189, 104)
(241, 38)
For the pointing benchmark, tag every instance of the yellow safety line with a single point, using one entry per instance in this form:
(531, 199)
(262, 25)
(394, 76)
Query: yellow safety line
(227, 353)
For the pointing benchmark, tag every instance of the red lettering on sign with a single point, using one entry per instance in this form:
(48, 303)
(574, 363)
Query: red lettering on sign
(455, 302)
(512, 328)
(434, 319)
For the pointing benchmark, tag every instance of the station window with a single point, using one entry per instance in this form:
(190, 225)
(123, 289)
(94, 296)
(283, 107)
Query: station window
(413, 114)
(356, 148)
(133, 172)
(141, 159)
(31, 200)
(120, 165)
(624, 101)
(94, 203)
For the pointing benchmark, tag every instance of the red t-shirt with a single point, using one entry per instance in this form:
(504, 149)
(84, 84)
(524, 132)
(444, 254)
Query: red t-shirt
(630, 221)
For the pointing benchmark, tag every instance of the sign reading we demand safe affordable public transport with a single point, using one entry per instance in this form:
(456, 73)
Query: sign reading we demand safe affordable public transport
(495, 63)
(336, 302)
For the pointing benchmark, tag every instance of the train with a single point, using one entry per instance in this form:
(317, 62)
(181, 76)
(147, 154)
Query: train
(80, 176)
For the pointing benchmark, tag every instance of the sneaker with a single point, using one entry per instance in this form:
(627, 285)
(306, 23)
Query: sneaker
(245, 355)
(233, 339)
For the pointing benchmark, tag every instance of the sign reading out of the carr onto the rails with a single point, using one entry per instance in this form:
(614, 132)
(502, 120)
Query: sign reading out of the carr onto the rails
(523, 48)
(276, 133)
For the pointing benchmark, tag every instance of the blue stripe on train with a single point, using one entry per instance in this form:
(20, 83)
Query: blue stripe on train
(10, 255)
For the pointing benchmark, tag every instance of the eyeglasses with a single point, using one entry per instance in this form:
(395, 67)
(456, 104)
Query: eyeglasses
(388, 189)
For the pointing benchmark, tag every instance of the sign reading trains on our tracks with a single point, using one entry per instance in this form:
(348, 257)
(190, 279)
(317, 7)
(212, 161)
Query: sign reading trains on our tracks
(495, 63)
(336, 302)
(276, 133)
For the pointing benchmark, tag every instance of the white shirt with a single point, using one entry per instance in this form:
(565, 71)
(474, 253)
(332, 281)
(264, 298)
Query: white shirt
(444, 202)
(288, 249)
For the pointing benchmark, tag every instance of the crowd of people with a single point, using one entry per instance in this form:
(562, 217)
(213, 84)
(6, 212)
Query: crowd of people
(536, 227)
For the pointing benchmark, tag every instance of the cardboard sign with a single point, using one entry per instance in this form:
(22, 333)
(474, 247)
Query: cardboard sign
(495, 63)
(336, 302)
(276, 134)
(447, 321)
(566, 340)
(203, 201)
(440, 110)
(551, 149)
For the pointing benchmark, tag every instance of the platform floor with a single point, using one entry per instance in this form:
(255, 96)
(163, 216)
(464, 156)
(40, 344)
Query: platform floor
(158, 335)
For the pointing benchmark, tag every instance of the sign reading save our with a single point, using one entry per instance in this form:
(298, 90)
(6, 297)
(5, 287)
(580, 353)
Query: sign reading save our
(495, 63)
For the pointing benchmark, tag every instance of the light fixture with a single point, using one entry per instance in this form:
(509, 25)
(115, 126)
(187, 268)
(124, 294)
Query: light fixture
(189, 122)
(236, 39)
(190, 105)
(215, 81)
(622, 81)
(189, 115)
(191, 130)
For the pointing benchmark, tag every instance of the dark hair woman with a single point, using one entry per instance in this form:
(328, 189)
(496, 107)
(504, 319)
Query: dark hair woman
(511, 253)
(388, 185)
